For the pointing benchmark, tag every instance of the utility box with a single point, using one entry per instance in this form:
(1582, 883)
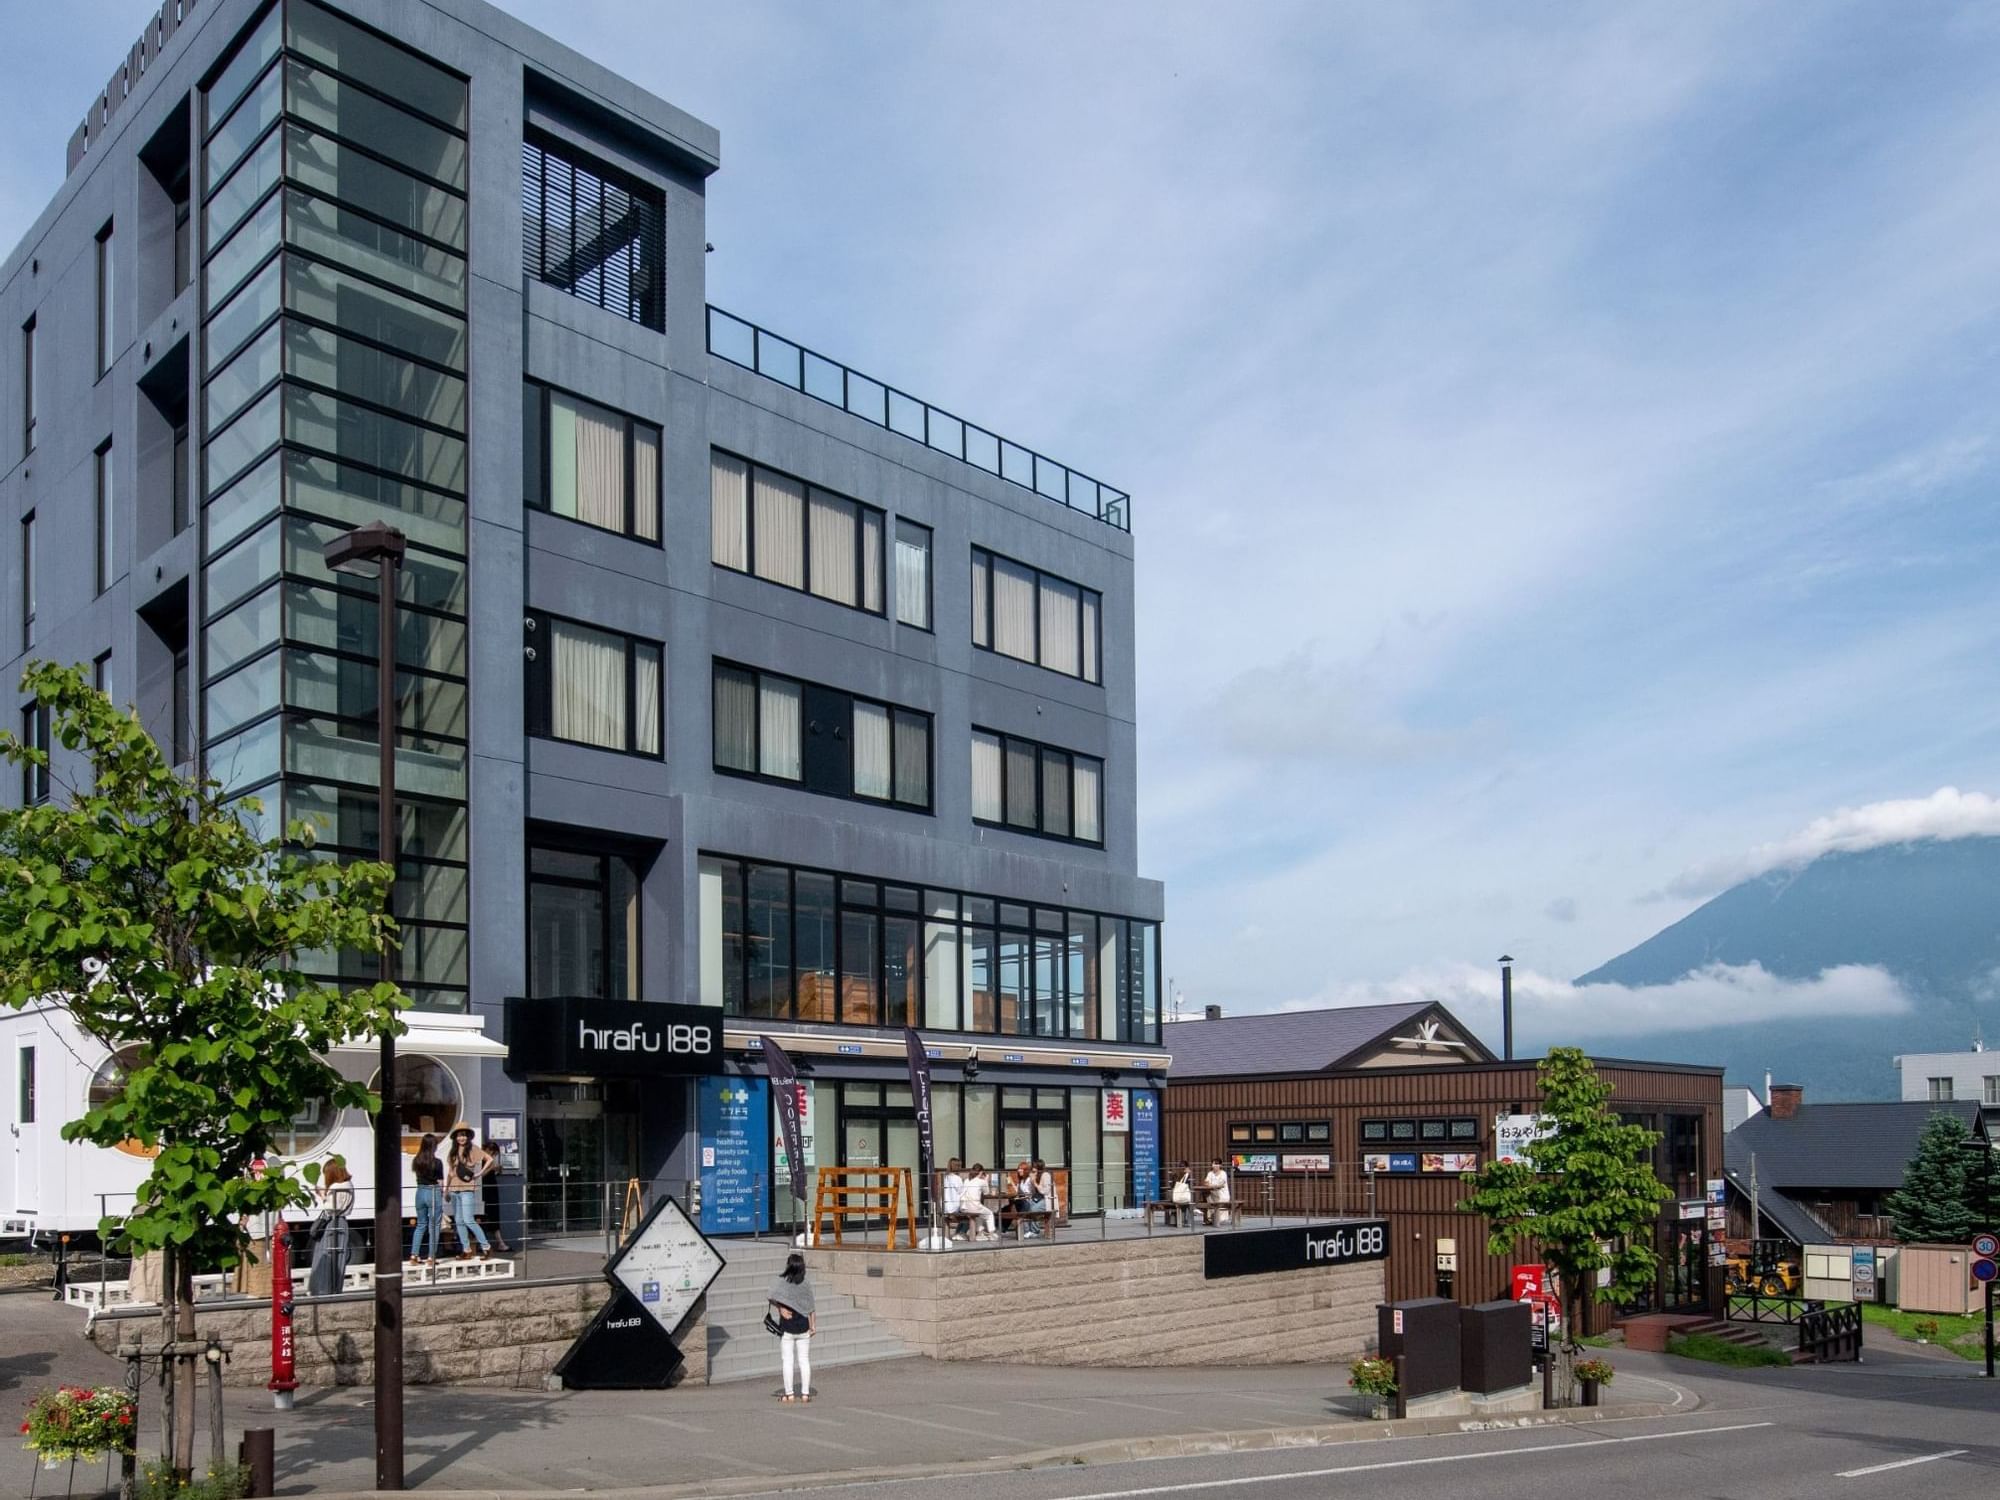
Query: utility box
(1424, 1332)
(1496, 1347)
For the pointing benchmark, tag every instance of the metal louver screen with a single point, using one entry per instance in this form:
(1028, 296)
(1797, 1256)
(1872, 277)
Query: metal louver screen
(592, 232)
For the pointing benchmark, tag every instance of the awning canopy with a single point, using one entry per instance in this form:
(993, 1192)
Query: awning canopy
(436, 1034)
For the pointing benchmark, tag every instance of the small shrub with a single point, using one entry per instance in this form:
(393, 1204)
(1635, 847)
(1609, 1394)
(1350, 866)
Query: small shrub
(225, 1482)
(1926, 1329)
(1598, 1370)
(1373, 1376)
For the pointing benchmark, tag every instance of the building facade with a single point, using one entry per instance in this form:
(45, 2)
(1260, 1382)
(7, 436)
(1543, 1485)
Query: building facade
(726, 675)
(1950, 1077)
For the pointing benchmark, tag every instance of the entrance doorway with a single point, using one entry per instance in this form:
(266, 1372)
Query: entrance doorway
(583, 1147)
(1685, 1268)
(1034, 1126)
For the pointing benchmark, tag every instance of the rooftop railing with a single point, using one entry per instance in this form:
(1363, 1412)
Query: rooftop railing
(758, 349)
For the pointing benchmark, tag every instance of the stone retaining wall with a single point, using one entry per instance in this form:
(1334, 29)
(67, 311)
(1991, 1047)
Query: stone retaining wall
(495, 1333)
(1115, 1302)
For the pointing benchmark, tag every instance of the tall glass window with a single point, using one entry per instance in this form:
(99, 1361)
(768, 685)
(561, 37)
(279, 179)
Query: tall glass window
(913, 574)
(107, 281)
(1034, 616)
(331, 234)
(583, 924)
(107, 515)
(588, 463)
(789, 532)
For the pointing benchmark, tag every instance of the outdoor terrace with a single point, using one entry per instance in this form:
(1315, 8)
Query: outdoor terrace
(742, 342)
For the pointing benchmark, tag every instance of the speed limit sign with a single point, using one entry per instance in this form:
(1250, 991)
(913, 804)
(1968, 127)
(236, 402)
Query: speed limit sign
(1986, 1246)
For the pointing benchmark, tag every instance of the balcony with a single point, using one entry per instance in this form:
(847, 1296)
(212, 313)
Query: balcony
(759, 350)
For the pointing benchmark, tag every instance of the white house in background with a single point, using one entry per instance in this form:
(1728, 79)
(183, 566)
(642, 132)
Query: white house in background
(48, 1185)
(1739, 1103)
(1945, 1077)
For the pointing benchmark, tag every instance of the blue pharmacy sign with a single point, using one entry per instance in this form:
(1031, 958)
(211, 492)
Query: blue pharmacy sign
(735, 1115)
(1145, 1145)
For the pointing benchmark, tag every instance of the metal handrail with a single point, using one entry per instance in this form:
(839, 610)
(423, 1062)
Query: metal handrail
(792, 364)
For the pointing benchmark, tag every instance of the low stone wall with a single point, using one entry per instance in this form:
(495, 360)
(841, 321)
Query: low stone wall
(1110, 1302)
(494, 1334)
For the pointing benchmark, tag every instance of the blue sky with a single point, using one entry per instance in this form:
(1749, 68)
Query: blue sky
(1560, 438)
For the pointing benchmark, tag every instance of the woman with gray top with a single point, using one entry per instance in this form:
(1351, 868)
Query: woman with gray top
(792, 1308)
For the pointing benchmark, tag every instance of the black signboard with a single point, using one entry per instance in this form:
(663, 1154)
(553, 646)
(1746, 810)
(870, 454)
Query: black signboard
(613, 1038)
(1258, 1252)
(623, 1349)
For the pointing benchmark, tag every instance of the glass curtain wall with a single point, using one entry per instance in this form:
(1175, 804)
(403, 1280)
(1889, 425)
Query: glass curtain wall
(779, 943)
(333, 239)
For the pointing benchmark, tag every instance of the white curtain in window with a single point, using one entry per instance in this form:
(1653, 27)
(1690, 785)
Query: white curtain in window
(587, 686)
(833, 547)
(780, 507)
(729, 511)
(1059, 627)
(1021, 784)
(778, 732)
(735, 720)
(1090, 611)
(982, 581)
(871, 562)
(986, 777)
(646, 484)
(646, 699)
(1089, 792)
(913, 759)
(871, 751)
(600, 466)
(1013, 609)
(913, 577)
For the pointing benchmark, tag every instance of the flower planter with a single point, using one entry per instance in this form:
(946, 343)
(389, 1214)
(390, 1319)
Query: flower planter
(1590, 1390)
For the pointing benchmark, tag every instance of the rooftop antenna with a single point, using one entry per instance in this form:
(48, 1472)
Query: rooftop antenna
(1174, 997)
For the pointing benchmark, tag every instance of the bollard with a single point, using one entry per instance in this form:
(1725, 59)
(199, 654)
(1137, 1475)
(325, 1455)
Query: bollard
(257, 1453)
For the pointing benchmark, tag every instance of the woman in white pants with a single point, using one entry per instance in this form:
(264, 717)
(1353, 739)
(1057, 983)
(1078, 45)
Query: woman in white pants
(972, 1203)
(792, 1305)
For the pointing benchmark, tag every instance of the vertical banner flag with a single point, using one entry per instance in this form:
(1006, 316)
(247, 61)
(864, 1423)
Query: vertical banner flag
(1145, 1145)
(735, 1119)
(920, 1094)
(785, 1083)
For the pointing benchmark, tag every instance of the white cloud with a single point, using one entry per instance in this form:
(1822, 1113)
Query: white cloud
(1553, 1012)
(1947, 813)
(1562, 909)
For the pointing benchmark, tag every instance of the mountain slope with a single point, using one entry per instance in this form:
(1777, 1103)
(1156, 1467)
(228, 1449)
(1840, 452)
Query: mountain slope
(1928, 912)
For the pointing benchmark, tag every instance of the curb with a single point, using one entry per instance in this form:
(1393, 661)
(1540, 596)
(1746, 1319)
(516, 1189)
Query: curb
(1111, 1451)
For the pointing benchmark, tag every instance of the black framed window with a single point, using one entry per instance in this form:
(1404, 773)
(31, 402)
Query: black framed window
(25, 1112)
(30, 568)
(1037, 788)
(107, 516)
(781, 529)
(100, 676)
(30, 385)
(35, 734)
(823, 739)
(106, 300)
(791, 943)
(591, 231)
(1036, 617)
(594, 687)
(583, 923)
(588, 463)
(913, 574)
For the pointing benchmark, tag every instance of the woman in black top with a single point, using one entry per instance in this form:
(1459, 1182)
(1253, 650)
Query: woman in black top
(429, 1173)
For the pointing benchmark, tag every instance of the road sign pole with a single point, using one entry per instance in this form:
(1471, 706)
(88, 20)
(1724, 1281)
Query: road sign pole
(1989, 1330)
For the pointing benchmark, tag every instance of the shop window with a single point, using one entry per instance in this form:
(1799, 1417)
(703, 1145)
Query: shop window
(428, 1100)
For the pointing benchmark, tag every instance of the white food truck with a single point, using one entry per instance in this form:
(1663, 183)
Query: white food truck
(50, 1186)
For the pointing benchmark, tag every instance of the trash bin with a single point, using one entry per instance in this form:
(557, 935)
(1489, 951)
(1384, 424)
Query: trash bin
(1424, 1332)
(1496, 1344)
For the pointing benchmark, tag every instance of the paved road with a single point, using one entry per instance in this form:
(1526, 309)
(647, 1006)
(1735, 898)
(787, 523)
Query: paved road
(1897, 1429)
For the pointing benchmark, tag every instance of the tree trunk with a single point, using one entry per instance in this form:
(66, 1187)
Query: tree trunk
(169, 1298)
(184, 1371)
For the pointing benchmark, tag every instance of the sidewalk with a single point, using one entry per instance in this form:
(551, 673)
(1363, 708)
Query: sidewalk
(866, 1417)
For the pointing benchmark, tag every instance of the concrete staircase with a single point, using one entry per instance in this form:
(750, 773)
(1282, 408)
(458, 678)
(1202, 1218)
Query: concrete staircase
(740, 1349)
(1748, 1335)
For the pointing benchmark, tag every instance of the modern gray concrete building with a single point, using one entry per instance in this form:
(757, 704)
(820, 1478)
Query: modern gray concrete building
(726, 676)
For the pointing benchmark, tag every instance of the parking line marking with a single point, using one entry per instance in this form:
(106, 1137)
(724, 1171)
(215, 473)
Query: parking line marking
(1412, 1463)
(1901, 1463)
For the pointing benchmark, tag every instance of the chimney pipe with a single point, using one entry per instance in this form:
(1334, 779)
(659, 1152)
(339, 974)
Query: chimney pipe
(1506, 1007)
(1767, 1088)
(1211, 1013)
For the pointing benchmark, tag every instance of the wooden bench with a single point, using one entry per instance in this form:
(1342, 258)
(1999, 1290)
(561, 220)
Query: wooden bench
(1020, 1217)
(1176, 1214)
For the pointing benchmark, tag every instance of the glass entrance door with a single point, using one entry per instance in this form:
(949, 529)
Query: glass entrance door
(582, 1149)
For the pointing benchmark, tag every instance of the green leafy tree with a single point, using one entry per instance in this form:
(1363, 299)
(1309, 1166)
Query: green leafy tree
(145, 905)
(1587, 1201)
(1935, 1202)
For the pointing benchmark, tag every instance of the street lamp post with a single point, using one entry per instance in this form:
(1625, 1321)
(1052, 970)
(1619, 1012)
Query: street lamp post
(1506, 1007)
(376, 550)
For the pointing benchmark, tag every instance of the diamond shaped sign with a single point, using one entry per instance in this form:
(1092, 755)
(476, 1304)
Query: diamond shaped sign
(666, 1265)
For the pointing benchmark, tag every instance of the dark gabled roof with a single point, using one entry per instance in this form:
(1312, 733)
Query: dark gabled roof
(1789, 1217)
(1297, 1041)
(1836, 1145)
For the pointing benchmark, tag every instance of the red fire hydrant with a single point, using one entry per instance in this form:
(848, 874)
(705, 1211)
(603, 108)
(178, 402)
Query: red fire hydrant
(284, 1379)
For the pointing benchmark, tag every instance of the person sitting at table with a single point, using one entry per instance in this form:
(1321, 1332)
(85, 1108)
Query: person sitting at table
(954, 1197)
(972, 1203)
(1044, 1196)
(1182, 1197)
(1028, 1200)
(1217, 1183)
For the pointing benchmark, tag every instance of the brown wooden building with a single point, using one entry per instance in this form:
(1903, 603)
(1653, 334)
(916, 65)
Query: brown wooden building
(1382, 1109)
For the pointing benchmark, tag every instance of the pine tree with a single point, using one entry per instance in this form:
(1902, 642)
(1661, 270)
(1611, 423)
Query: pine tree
(1933, 1206)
